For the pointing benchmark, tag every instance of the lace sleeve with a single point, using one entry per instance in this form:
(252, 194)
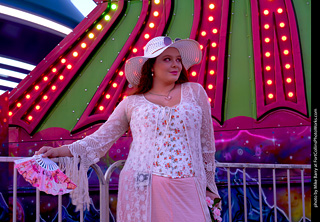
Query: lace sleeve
(207, 140)
(89, 150)
(94, 146)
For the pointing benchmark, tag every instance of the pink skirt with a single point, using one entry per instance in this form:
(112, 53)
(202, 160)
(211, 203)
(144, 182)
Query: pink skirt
(175, 200)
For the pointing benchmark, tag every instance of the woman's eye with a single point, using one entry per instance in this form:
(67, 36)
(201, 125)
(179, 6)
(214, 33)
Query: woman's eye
(167, 59)
(179, 60)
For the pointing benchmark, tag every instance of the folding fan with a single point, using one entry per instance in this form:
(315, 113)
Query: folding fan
(44, 174)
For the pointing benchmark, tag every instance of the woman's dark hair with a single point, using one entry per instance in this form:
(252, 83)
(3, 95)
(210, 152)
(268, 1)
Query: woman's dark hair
(146, 79)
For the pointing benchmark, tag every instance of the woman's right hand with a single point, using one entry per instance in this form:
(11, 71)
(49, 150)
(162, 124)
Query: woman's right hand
(51, 152)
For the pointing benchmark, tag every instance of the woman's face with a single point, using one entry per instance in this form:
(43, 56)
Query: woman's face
(168, 66)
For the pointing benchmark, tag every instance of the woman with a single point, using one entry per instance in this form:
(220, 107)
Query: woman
(170, 166)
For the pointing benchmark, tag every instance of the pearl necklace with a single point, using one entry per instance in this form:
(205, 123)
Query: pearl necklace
(166, 97)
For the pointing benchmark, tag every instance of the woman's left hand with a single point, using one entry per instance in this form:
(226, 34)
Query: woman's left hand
(213, 196)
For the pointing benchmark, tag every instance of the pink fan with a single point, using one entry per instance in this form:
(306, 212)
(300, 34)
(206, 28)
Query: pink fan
(44, 174)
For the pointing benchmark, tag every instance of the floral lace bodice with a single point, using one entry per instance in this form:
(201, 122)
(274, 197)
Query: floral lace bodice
(172, 158)
(142, 116)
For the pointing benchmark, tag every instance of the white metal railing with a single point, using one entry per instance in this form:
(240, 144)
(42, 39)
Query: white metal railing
(243, 166)
(105, 179)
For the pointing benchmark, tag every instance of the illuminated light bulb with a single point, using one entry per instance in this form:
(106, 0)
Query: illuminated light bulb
(269, 82)
(30, 118)
(210, 18)
(210, 86)
(107, 17)
(28, 96)
(114, 6)
(99, 26)
(37, 107)
(91, 35)
(267, 40)
(69, 66)
(156, 14)
(286, 51)
(214, 31)
(10, 113)
(203, 33)
(147, 36)
(108, 96)
(211, 72)
(45, 97)
(121, 73)
(268, 68)
(63, 60)
(53, 88)
(83, 45)
(19, 105)
(45, 78)
(213, 58)
(210, 100)
(267, 54)
(211, 6)
(75, 54)
(36, 87)
(194, 73)
(284, 38)
(101, 108)
(279, 10)
(157, 2)
(61, 77)
(54, 69)
(289, 80)
(266, 12)
(114, 85)
(287, 66)
(201, 47)
(281, 24)
(214, 44)
(134, 50)
(290, 94)
(270, 96)
(151, 25)
(124, 97)
(266, 26)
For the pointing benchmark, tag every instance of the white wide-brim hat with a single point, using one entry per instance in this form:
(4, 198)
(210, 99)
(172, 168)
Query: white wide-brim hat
(189, 50)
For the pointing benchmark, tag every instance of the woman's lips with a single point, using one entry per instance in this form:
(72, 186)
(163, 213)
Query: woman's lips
(174, 72)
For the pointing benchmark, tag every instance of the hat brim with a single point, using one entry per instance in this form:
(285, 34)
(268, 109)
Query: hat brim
(190, 55)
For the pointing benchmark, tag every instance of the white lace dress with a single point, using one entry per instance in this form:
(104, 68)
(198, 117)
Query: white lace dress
(143, 117)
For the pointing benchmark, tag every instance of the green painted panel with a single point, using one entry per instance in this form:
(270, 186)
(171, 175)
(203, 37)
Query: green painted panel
(73, 103)
(240, 92)
(182, 19)
(303, 15)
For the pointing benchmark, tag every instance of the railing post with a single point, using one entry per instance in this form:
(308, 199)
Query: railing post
(229, 195)
(14, 201)
(260, 194)
(303, 198)
(289, 194)
(102, 184)
(59, 204)
(37, 205)
(107, 176)
(245, 195)
(59, 208)
(274, 194)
